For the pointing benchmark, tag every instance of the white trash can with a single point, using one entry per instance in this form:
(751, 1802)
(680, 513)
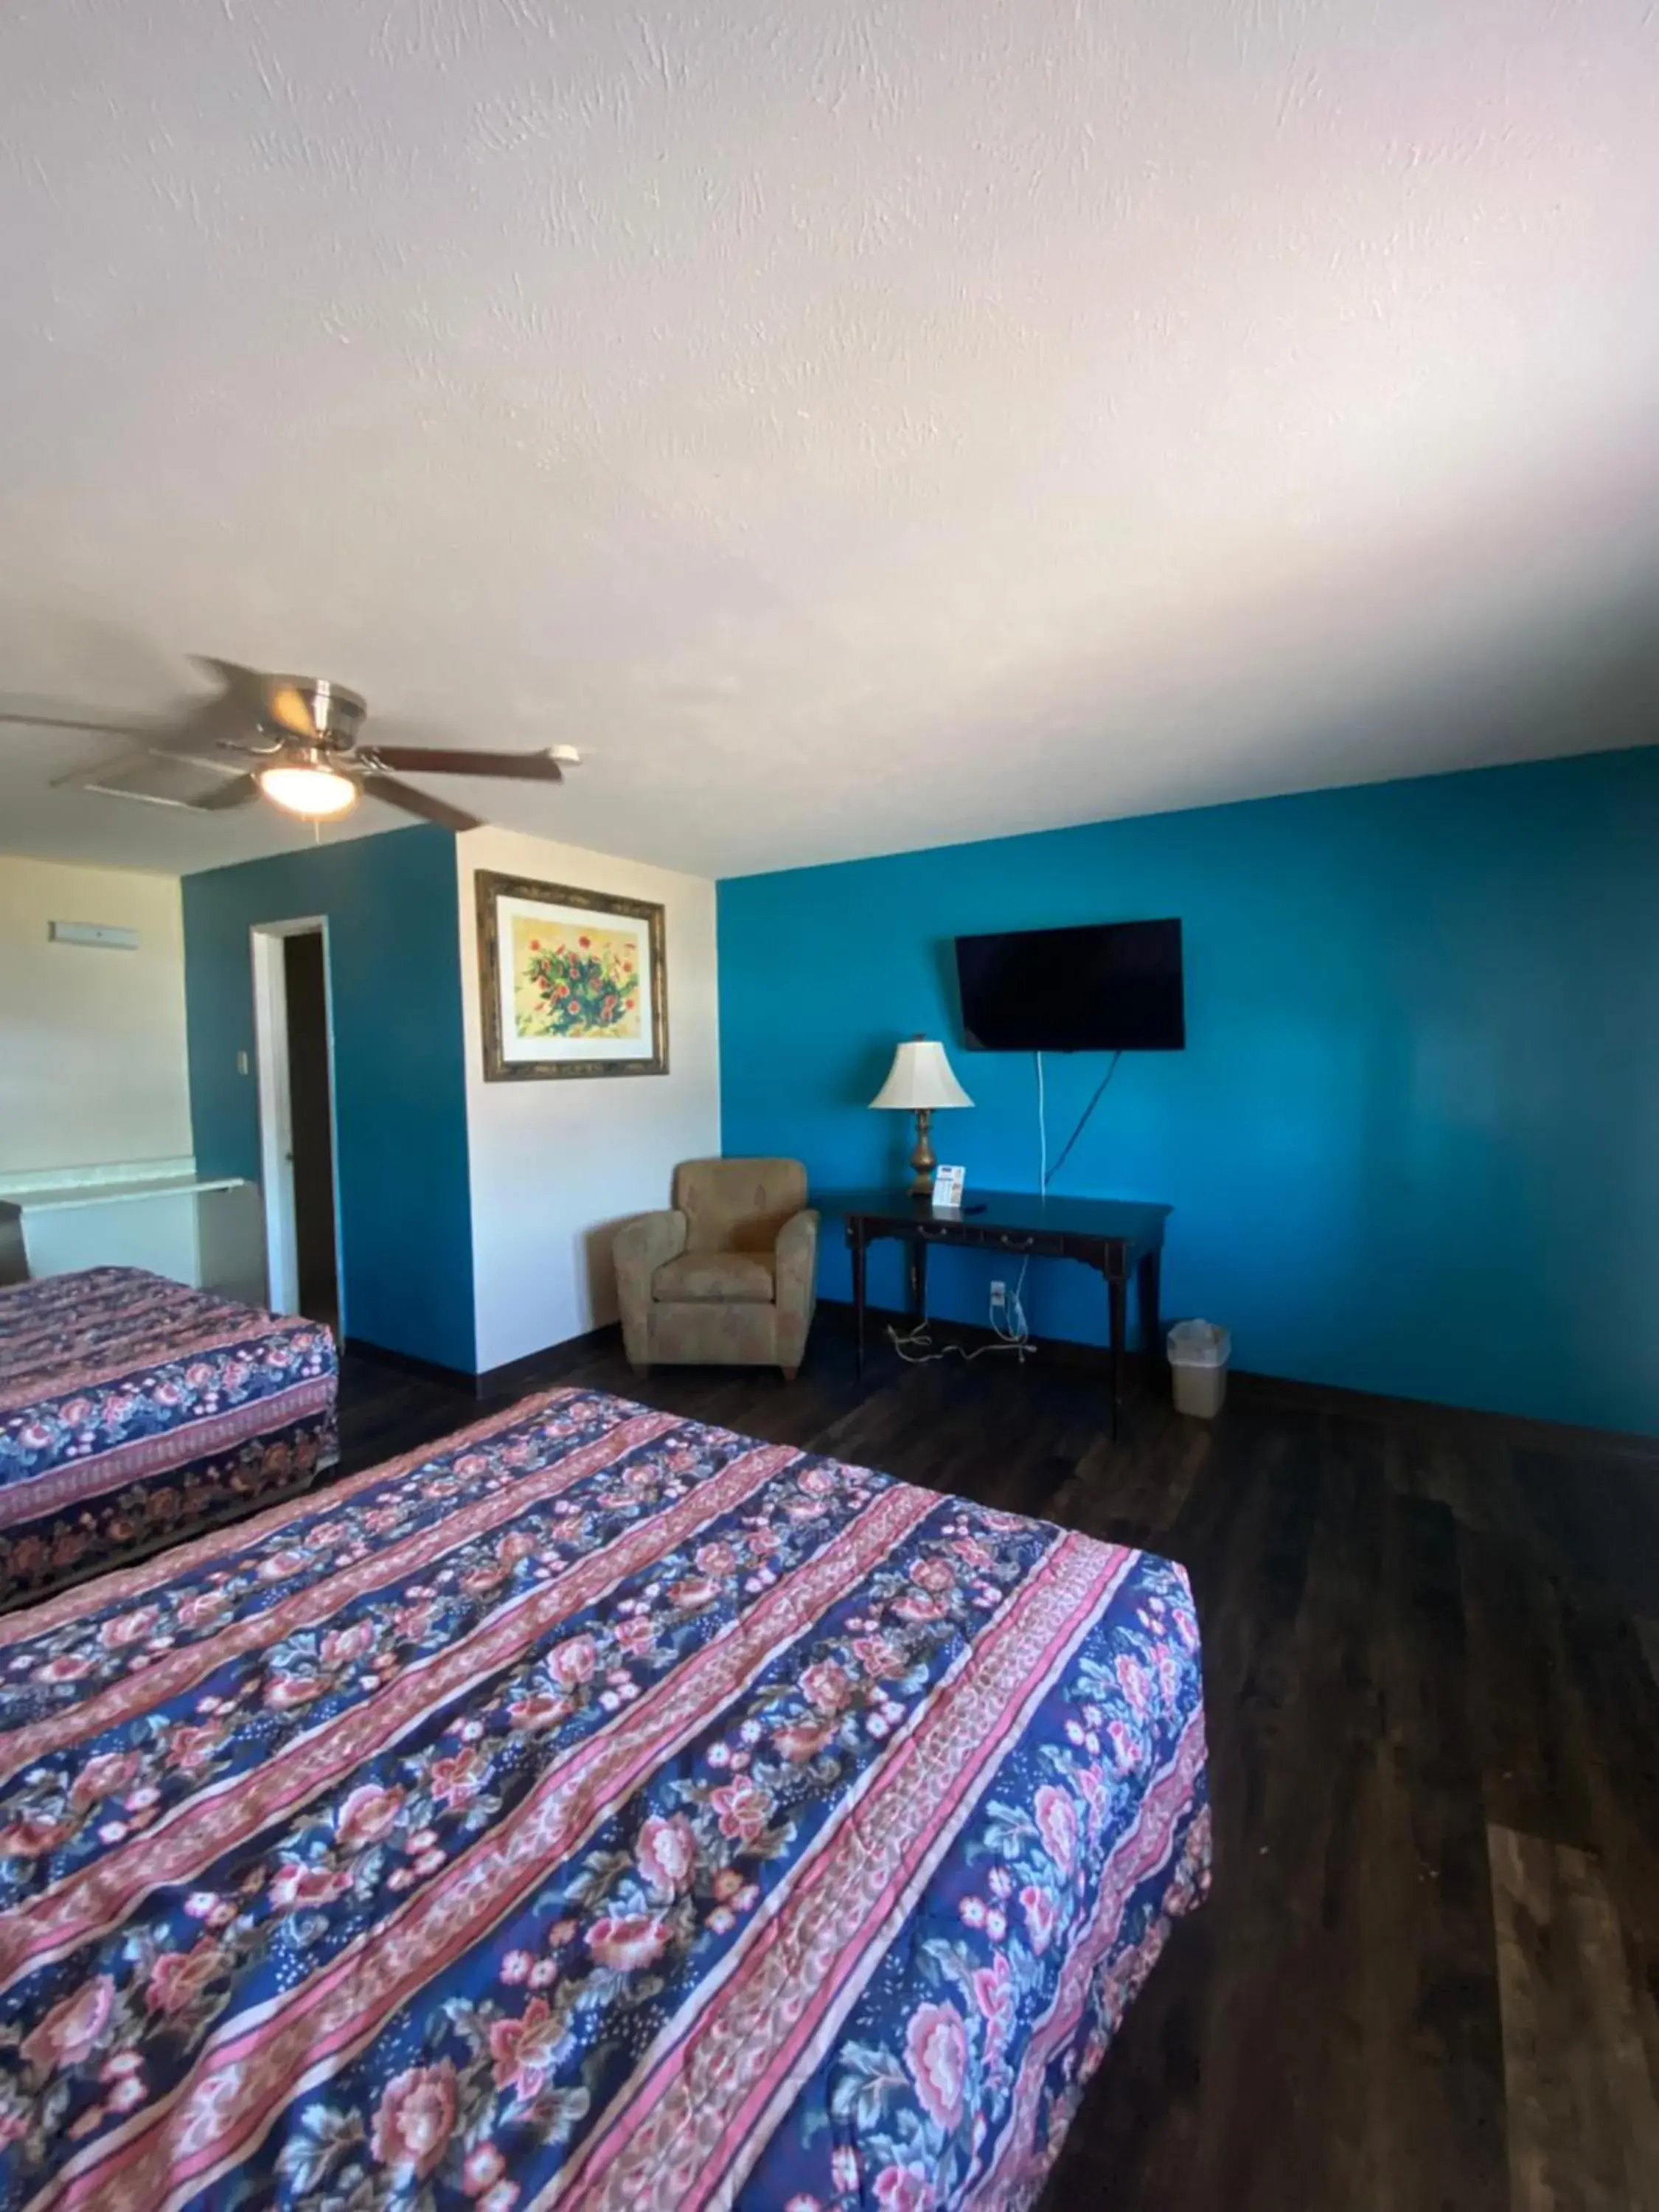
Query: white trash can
(1198, 1367)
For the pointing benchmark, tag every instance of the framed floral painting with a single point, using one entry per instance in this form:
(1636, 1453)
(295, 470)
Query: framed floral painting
(572, 982)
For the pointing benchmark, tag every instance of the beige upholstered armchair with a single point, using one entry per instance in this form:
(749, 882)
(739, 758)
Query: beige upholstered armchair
(730, 1277)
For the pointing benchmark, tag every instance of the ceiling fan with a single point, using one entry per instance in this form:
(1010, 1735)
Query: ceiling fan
(303, 730)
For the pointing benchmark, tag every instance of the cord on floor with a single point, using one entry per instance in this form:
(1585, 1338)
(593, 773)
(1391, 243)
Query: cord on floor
(917, 1346)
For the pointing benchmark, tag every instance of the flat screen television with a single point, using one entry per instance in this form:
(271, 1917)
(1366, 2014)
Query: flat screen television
(1114, 987)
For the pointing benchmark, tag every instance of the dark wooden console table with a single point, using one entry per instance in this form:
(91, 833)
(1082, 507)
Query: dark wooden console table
(1117, 1237)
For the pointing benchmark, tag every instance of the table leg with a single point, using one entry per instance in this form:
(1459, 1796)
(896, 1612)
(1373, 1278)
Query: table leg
(1116, 1293)
(1152, 1325)
(919, 1278)
(856, 1238)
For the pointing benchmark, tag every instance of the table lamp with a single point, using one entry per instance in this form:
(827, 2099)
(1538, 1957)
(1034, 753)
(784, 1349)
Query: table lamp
(921, 1081)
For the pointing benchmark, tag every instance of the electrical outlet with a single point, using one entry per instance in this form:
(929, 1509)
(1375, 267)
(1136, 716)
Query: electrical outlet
(999, 1298)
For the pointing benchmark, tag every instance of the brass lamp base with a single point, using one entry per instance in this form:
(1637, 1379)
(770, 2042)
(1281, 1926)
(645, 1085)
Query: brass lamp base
(923, 1160)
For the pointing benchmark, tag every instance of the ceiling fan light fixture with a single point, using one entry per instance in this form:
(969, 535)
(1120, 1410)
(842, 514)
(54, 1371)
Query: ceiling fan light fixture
(316, 795)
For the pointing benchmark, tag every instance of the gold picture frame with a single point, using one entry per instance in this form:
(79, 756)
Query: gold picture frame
(572, 982)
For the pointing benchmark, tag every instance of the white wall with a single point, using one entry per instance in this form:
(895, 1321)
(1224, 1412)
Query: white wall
(556, 1165)
(93, 1069)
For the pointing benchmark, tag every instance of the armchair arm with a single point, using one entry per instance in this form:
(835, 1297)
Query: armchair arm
(798, 1283)
(640, 1249)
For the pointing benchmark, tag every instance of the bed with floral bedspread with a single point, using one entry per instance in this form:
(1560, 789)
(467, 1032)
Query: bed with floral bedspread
(134, 1410)
(601, 1810)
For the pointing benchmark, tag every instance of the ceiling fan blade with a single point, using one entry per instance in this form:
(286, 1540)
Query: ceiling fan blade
(236, 791)
(534, 767)
(260, 696)
(62, 722)
(285, 706)
(231, 676)
(387, 787)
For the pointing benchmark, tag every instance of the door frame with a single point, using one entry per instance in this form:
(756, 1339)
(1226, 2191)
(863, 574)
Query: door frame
(266, 940)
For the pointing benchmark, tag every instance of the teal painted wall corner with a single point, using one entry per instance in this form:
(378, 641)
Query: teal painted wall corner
(400, 1092)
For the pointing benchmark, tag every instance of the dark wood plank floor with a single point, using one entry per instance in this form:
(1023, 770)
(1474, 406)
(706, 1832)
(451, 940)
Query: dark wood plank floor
(1428, 1974)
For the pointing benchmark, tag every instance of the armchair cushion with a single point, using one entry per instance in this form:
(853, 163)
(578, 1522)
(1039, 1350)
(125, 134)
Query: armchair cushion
(738, 1206)
(716, 1277)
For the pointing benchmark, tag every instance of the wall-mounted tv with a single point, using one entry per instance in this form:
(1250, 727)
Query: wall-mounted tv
(1114, 987)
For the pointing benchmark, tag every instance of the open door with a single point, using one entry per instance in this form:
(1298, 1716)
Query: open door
(298, 1159)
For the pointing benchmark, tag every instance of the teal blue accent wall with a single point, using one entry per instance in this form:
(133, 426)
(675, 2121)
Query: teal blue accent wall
(400, 1079)
(1413, 1142)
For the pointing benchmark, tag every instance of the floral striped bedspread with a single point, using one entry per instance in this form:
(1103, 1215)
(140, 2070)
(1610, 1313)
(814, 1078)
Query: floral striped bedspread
(131, 1407)
(601, 1810)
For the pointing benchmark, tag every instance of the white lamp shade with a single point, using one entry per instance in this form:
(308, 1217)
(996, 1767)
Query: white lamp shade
(920, 1076)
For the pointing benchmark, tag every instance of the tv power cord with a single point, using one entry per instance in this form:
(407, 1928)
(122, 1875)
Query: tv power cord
(1045, 1175)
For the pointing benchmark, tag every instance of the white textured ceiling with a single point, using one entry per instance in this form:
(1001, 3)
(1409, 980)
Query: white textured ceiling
(856, 423)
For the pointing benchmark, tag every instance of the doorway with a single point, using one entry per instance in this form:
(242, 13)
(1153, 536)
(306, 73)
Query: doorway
(294, 1032)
